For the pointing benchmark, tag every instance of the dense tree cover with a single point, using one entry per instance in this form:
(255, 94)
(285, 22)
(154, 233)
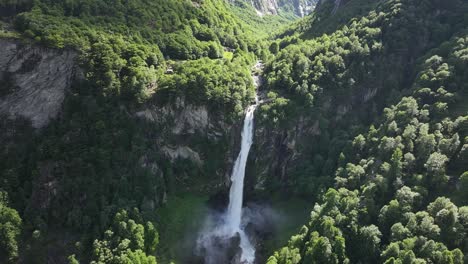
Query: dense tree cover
(340, 81)
(127, 241)
(97, 159)
(80, 171)
(225, 85)
(119, 68)
(182, 29)
(400, 186)
(399, 189)
(357, 53)
(124, 45)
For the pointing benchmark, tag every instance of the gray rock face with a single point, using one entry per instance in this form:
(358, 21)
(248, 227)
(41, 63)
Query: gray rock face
(272, 7)
(278, 151)
(304, 7)
(263, 7)
(183, 118)
(182, 152)
(183, 125)
(33, 81)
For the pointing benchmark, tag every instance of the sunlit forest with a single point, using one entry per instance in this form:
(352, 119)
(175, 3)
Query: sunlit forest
(234, 131)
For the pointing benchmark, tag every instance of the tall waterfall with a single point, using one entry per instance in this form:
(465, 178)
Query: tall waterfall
(234, 212)
(216, 240)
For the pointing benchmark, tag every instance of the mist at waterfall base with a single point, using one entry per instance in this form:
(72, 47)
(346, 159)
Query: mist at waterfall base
(216, 244)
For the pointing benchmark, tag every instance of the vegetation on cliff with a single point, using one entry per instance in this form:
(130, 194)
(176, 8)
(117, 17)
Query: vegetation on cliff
(376, 91)
(97, 159)
(399, 189)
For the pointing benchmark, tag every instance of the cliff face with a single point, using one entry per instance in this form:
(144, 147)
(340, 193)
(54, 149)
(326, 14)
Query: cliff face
(273, 7)
(263, 7)
(33, 81)
(307, 7)
(279, 152)
(193, 134)
(303, 7)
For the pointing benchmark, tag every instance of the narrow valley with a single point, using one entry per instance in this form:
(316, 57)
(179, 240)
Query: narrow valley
(233, 131)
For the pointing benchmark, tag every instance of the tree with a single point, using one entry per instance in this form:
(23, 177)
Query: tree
(444, 211)
(274, 47)
(396, 164)
(10, 229)
(435, 166)
(285, 256)
(369, 243)
(463, 190)
(72, 259)
(425, 143)
(392, 251)
(127, 242)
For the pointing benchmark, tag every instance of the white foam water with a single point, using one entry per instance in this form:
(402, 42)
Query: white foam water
(234, 212)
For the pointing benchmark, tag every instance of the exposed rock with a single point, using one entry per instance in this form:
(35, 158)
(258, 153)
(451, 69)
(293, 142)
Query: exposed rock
(151, 165)
(34, 80)
(219, 248)
(304, 7)
(369, 94)
(277, 151)
(183, 118)
(190, 119)
(264, 7)
(272, 7)
(187, 129)
(336, 4)
(342, 110)
(182, 152)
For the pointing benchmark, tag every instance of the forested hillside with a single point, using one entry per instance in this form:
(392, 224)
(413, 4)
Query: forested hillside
(121, 121)
(399, 191)
(101, 164)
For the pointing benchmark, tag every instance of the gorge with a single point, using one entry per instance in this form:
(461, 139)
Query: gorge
(233, 131)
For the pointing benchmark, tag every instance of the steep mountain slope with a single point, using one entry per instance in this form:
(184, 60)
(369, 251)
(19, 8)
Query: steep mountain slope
(398, 188)
(137, 103)
(120, 121)
(326, 87)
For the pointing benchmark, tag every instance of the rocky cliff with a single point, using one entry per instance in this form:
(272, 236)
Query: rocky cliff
(280, 152)
(300, 8)
(195, 136)
(190, 145)
(33, 80)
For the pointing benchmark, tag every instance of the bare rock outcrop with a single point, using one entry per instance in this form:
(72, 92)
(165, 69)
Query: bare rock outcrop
(272, 7)
(33, 80)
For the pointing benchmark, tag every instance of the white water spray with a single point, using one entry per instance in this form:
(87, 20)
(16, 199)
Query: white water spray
(231, 223)
(234, 212)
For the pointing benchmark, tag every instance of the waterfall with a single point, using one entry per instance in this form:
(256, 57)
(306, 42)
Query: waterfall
(234, 212)
(217, 237)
